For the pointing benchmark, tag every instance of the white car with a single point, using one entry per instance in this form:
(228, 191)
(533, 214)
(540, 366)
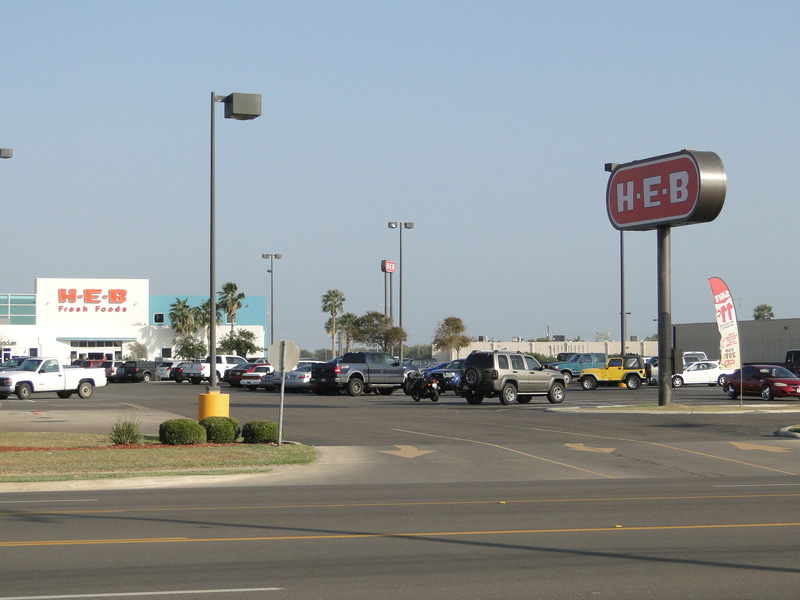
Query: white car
(704, 372)
(252, 380)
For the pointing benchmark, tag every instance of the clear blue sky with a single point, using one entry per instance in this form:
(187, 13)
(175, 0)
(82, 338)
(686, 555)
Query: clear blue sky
(485, 123)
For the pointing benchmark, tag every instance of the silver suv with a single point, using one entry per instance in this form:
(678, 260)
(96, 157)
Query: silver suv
(513, 376)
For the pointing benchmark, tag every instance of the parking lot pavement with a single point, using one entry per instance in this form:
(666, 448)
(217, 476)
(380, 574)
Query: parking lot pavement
(81, 421)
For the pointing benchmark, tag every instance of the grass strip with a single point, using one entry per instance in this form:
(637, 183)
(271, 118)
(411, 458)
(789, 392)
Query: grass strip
(65, 457)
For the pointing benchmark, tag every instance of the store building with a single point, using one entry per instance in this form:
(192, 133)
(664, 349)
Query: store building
(73, 318)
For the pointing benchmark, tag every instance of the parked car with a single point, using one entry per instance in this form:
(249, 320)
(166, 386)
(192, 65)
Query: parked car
(426, 370)
(111, 367)
(703, 372)
(512, 376)
(419, 363)
(138, 370)
(176, 372)
(163, 369)
(767, 381)
(651, 368)
(297, 380)
(12, 364)
(92, 364)
(256, 377)
(448, 375)
(233, 376)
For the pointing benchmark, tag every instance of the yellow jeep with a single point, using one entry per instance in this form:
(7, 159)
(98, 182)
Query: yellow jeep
(629, 369)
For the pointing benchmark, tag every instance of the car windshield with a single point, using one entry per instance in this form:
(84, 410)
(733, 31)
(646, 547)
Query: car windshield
(776, 372)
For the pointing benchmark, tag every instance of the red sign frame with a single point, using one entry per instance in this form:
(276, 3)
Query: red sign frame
(673, 189)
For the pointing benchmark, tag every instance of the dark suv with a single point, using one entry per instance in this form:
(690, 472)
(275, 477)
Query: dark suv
(513, 376)
(139, 370)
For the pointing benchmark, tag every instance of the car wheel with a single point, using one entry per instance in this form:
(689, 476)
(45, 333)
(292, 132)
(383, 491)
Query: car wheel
(24, 391)
(355, 387)
(731, 392)
(472, 377)
(63, 394)
(556, 394)
(567, 376)
(435, 396)
(721, 380)
(85, 390)
(473, 398)
(179, 380)
(508, 395)
(524, 399)
(588, 383)
(415, 396)
(147, 377)
(195, 380)
(677, 381)
(3, 396)
(385, 391)
(632, 382)
(766, 393)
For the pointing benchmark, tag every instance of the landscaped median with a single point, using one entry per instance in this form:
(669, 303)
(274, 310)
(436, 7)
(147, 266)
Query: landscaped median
(31, 457)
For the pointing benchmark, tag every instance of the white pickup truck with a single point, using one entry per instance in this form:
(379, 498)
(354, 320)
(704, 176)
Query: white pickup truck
(200, 371)
(45, 374)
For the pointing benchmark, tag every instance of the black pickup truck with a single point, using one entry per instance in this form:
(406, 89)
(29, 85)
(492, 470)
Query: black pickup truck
(359, 372)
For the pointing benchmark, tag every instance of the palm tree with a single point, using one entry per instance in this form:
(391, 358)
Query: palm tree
(763, 312)
(347, 324)
(181, 316)
(333, 302)
(202, 318)
(230, 300)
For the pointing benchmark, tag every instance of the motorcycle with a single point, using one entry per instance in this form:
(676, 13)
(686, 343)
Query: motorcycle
(420, 387)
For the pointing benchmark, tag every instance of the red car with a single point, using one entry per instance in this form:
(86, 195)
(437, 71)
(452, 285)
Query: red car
(234, 374)
(767, 381)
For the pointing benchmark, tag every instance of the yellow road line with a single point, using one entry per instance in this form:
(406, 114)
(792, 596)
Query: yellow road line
(184, 509)
(428, 534)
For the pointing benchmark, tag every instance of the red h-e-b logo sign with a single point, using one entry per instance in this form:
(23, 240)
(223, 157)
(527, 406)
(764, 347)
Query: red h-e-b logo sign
(673, 189)
(387, 266)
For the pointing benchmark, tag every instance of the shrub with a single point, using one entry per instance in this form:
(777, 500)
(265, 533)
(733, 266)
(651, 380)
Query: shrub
(260, 432)
(181, 432)
(126, 432)
(221, 430)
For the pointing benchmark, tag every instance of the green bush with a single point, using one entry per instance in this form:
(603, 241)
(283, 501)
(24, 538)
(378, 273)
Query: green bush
(181, 432)
(126, 432)
(260, 432)
(221, 430)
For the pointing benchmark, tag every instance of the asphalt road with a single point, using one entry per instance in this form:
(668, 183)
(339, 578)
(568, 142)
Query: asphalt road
(424, 500)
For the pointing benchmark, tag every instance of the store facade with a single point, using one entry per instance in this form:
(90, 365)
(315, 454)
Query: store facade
(73, 318)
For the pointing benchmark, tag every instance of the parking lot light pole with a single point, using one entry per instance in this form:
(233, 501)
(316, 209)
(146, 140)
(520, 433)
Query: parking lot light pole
(271, 272)
(401, 225)
(241, 107)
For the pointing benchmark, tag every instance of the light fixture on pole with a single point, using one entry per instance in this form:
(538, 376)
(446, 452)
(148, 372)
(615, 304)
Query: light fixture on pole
(6, 152)
(401, 225)
(271, 272)
(242, 107)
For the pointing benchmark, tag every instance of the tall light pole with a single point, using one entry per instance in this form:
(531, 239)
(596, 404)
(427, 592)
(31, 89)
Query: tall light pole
(609, 168)
(242, 107)
(401, 225)
(271, 272)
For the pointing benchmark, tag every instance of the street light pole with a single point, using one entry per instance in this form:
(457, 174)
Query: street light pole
(242, 107)
(271, 271)
(401, 225)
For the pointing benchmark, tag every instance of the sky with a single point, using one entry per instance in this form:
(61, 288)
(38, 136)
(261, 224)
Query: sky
(485, 123)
